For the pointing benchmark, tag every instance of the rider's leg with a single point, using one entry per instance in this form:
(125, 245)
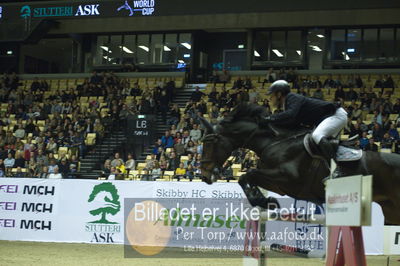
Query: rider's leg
(329, 127)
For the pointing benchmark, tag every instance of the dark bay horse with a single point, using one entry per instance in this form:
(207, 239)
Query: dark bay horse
(286, 168)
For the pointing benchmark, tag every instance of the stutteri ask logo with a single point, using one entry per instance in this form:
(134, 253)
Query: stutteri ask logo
(105, 198)
(25, 11)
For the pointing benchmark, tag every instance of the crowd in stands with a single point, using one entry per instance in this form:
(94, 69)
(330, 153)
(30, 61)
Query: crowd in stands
(44, 130)
(44, 134)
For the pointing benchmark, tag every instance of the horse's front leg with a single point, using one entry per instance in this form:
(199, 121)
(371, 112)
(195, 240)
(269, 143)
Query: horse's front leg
(254, 179)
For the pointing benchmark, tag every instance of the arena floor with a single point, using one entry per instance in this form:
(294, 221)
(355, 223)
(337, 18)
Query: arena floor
(35, 253)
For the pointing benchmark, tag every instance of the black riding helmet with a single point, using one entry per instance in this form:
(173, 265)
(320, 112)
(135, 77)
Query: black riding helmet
(279, 86)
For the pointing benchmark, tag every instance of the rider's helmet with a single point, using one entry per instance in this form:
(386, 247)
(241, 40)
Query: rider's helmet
(279, 86)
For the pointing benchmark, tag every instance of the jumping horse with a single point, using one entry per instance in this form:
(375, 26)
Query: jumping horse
(285, 166)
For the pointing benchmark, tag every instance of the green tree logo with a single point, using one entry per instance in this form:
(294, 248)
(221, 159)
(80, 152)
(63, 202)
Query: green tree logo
(25, 11)
(105, 195)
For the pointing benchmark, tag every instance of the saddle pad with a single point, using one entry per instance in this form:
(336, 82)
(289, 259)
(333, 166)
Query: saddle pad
(345, 154)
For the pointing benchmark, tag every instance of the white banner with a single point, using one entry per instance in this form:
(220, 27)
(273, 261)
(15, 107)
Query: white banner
(92, 211)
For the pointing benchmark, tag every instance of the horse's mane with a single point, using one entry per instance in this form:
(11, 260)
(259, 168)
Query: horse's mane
(245, 111)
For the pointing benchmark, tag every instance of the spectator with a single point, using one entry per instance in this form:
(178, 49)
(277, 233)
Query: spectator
(387, 142)
(340, 94)
(19, 160)
(19, 132)
(180, 172)
(63, 167)
(2, 166)
(113, 174)
(151, 162)
(224, 77)
(156, 171)
(195, 133)
(190, 172)
(364, 140)
(351, 95)
(175, 115)
(173, 162)
(191, 148)
(41, 159)
(117, 160)
(51, 146)
(52, 166)
(179, 147)
(55, 174)
(9, 163)
(227, 171)
(371, 146)
(72, 172)
(318, 94)
(393, 133)
(196, 95)
(377, 132)
(130, 164)
(167, 140)
(32, 167)
(146, 176)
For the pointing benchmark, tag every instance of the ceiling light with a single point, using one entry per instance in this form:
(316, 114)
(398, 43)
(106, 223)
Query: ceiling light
(181, 61)
(126, 49)
(188, 46)
(351, 50)
(144, 48)
(186, 56)
(256, 54)
(298, 52)
(320, 36)
(105, 48)
(166, 48)
(316, 48)
(276, 51)
(241, 46)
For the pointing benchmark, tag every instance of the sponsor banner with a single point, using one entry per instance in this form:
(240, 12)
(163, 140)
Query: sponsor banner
(92, 211)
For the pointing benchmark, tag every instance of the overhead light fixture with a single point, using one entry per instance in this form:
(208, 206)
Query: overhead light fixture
(105, 57)
(166, 48)
(144, 48)
(181, 61)
(10, 52)
(316, 48)
(351, 50)
(320, 36)
(186, 56)
(298, 52)
(241, 46)
(187, 45)
(126, 49)
(105, 48)
(256, 54)
(278, 54)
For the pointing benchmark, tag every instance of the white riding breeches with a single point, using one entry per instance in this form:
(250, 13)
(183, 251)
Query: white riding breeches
(330, 126)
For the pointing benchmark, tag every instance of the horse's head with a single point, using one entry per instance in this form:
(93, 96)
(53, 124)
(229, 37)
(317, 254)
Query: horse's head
(216, 149)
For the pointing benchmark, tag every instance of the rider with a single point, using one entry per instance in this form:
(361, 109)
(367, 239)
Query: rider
(329, 118)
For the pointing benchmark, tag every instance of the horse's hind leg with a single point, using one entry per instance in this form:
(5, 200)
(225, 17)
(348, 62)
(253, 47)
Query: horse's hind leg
(250, 183)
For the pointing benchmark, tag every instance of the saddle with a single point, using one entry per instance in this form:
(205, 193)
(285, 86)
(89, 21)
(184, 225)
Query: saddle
(344, 152)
